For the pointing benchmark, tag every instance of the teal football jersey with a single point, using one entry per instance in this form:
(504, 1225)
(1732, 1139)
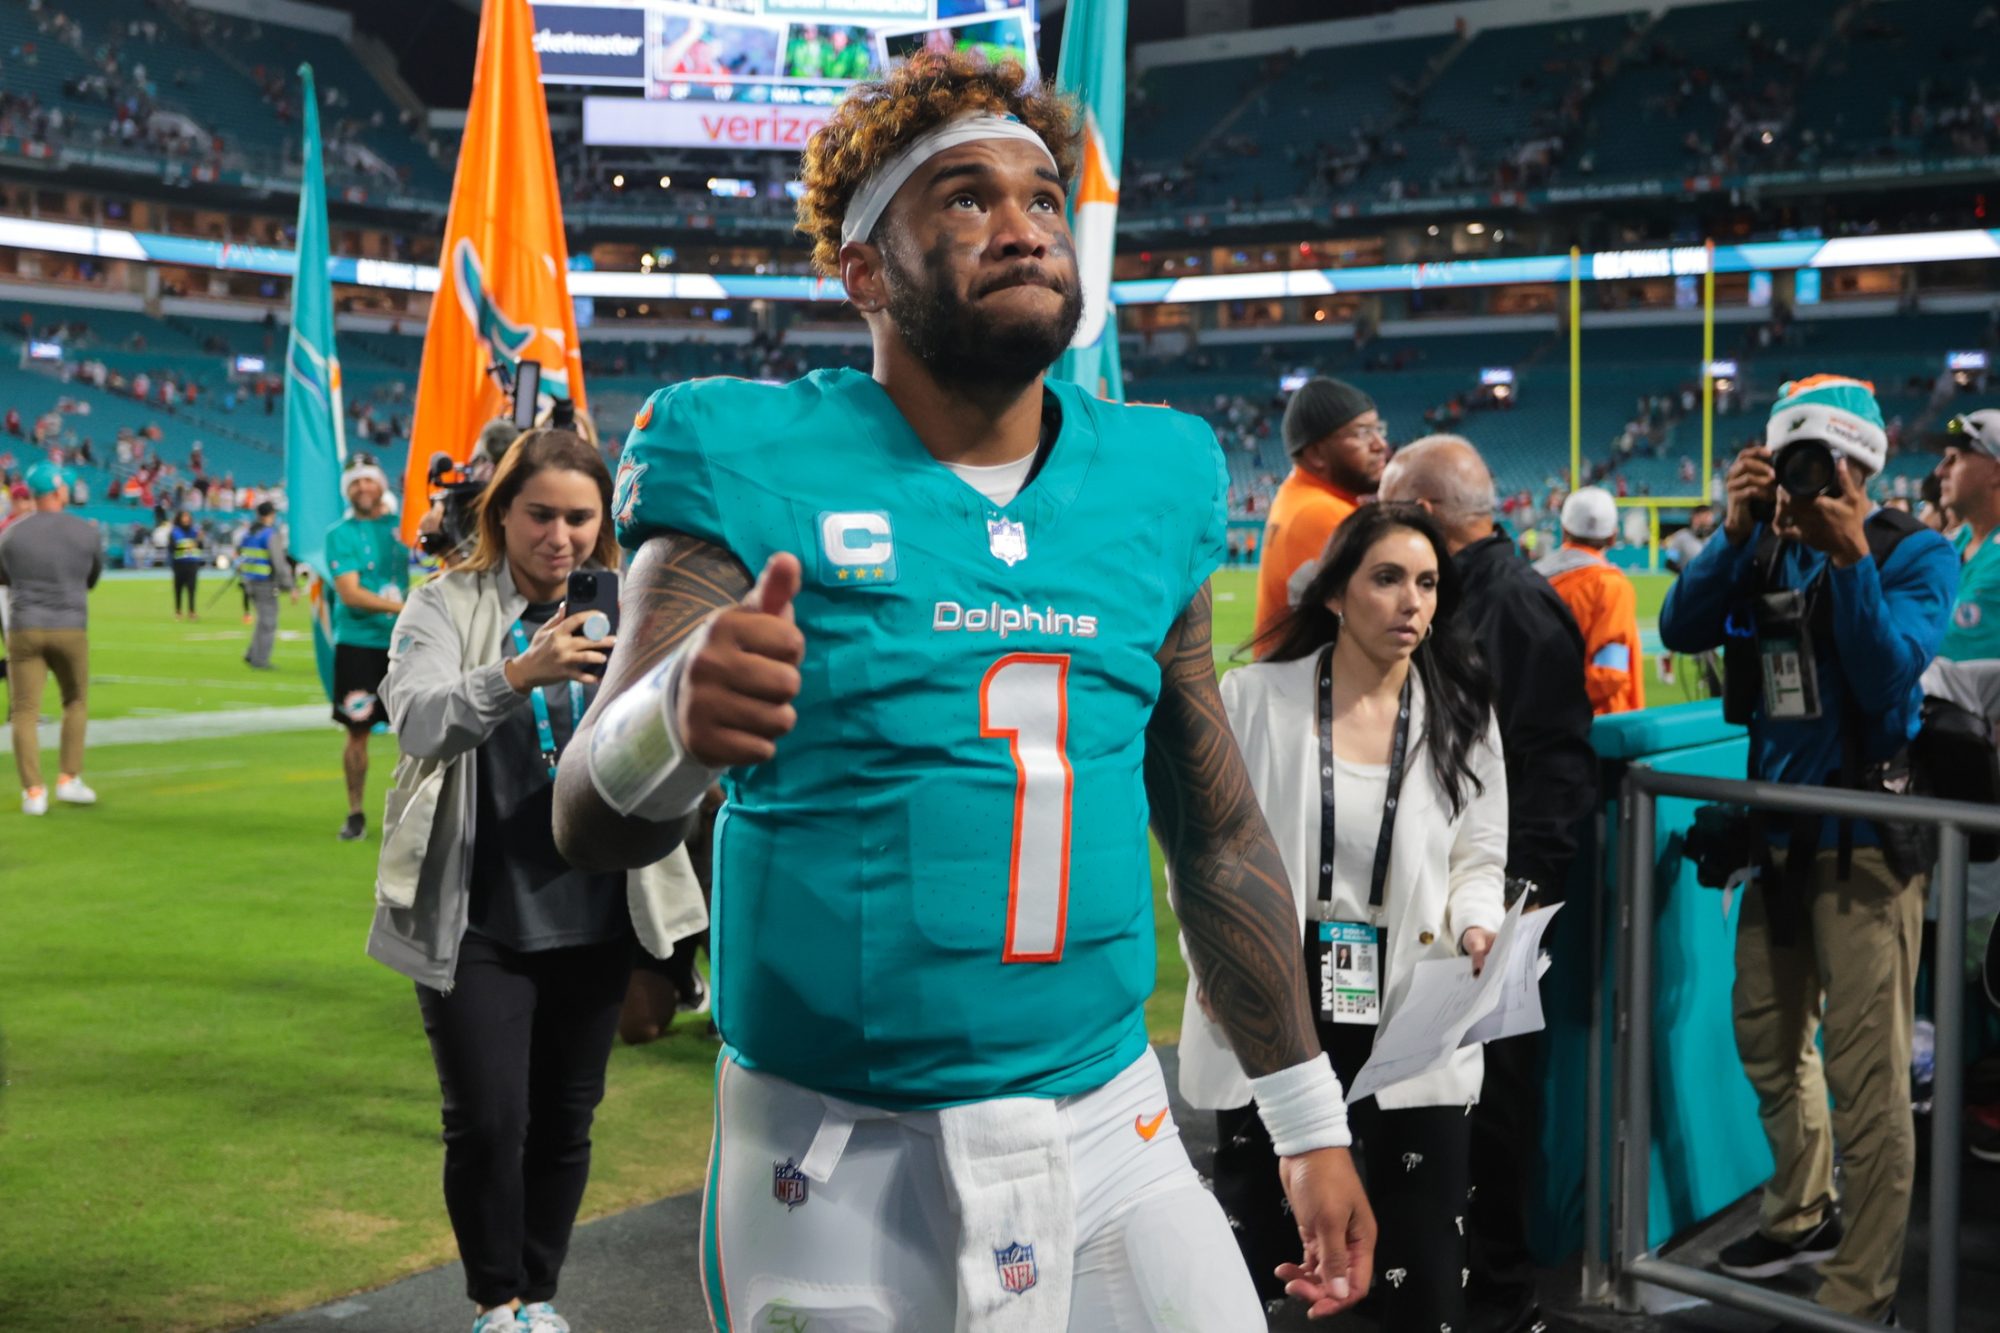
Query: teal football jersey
(939, 890)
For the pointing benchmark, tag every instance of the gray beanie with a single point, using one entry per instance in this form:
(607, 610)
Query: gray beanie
(1321, 407)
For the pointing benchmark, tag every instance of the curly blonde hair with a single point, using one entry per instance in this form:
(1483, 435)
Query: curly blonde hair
(876, 120)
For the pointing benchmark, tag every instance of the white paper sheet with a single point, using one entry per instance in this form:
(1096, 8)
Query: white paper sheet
(1446, 1005)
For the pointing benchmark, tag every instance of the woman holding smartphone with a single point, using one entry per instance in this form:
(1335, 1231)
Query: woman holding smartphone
(1371, 742)
(520, 961)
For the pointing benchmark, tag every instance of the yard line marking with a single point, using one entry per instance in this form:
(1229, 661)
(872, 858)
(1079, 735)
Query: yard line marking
(168, 768)
(201, 683)
(186, 727)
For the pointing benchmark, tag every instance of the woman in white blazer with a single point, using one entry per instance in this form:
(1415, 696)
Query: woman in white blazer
(1371, 663)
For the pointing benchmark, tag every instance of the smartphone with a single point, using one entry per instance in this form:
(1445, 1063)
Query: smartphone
(593, 590)
(527, 388)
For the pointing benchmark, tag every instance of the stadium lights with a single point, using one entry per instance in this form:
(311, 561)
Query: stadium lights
(1433, 229)
(665, 181)
(1807, 256)
(618, 181)
(1475, 229)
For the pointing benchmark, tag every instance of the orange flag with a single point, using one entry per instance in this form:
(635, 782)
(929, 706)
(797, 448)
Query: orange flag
(503, 290)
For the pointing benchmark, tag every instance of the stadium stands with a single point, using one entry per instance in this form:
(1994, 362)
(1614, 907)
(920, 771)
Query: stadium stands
(1659, 95)
(1693, 89)
(217, 91)
(1640, 423)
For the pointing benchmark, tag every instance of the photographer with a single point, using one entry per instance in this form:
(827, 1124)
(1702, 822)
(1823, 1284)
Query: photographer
(520, 961)
(1830, 613)
(449, 528)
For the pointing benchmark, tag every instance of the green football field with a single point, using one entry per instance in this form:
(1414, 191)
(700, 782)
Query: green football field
(216, 1107)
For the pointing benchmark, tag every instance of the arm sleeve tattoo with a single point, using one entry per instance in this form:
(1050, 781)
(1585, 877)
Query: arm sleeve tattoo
(1230, 889)
(674, 584)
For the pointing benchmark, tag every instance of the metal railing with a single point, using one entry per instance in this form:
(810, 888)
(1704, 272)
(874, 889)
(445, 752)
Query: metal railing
(1630, 1185)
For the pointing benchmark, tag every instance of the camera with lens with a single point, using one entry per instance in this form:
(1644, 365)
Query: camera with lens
(1806, 470)
(1721, 842)
(455, 492)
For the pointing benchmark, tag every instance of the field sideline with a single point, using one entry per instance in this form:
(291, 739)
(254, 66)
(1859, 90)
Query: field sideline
(217, 1108)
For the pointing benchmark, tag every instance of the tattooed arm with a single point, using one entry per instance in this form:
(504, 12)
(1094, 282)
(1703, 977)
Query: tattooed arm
(675, 584)
(1230, 889)
(1235, 908)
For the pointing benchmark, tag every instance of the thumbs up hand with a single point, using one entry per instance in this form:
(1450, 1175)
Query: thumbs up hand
(742, 673)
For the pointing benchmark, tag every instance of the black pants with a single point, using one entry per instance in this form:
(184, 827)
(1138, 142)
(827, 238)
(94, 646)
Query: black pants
(1416, 1168)
(521, 1044)
(1506, 1142)
(185, 573)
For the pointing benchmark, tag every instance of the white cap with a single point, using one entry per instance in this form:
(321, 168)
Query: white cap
(1591, 514)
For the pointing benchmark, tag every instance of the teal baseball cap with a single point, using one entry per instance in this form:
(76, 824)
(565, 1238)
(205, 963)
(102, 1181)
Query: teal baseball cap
(45, 479)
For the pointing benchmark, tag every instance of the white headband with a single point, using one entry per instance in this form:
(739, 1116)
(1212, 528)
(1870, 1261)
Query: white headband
(872, 199)
(360, 472)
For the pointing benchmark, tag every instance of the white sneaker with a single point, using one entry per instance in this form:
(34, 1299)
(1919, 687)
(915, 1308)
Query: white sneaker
(36, 803)
(541, 1317)
(73, 791)
(500, 1319)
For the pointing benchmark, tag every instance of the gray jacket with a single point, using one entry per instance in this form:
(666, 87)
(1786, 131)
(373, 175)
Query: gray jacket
(446, 693)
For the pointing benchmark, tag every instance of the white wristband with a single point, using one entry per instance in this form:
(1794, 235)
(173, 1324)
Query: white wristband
(1303, 1108)
(637, 761)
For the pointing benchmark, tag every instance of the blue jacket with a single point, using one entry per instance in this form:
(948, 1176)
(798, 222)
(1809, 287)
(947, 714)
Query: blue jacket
(1887, 625)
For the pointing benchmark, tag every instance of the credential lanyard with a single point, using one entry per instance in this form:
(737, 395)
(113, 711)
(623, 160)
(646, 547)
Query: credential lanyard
(545, 734)
(1385, 840)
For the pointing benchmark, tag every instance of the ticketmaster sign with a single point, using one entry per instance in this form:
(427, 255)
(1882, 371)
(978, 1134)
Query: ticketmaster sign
(636, 122)
(603, 44)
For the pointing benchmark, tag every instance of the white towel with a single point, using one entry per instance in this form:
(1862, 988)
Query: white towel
(1007, 1166)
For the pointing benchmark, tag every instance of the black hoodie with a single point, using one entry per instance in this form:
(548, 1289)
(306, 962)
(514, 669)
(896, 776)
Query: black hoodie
(1534, 651)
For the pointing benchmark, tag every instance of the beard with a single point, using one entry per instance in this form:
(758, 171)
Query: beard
(962, 345)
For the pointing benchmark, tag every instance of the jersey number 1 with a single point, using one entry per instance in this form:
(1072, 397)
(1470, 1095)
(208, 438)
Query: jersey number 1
(1025, 698)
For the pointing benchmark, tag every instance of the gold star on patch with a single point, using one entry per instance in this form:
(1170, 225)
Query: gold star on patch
(841, 575)
(878, 571)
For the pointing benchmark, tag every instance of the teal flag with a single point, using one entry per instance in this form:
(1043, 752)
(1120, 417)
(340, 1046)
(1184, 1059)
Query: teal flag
(315, 443)
(1092, 70)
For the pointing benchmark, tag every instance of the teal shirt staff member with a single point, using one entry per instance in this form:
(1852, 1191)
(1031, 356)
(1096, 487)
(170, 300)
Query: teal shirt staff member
(371, 573)
(1967, 670)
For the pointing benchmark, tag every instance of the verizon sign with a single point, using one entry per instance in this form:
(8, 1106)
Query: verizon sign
(639, 123)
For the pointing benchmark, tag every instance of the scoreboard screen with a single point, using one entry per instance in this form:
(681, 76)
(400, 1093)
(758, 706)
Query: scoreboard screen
(803, 53)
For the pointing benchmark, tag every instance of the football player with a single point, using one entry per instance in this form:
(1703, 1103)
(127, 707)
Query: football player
(975, 662)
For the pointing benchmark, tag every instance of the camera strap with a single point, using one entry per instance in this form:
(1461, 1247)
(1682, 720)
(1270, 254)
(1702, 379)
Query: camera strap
(545, 732)
(1785, 898)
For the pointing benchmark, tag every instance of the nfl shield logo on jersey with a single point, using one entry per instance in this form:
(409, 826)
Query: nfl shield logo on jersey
(789, 1185)
(1016, 1263)
(1007, 540)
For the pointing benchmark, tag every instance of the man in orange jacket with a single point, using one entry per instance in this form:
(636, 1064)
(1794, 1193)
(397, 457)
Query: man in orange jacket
(1601, 598)
(1338, 446)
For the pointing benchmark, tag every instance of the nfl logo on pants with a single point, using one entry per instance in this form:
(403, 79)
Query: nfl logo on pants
(1016, 1263)
(789, 1184)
